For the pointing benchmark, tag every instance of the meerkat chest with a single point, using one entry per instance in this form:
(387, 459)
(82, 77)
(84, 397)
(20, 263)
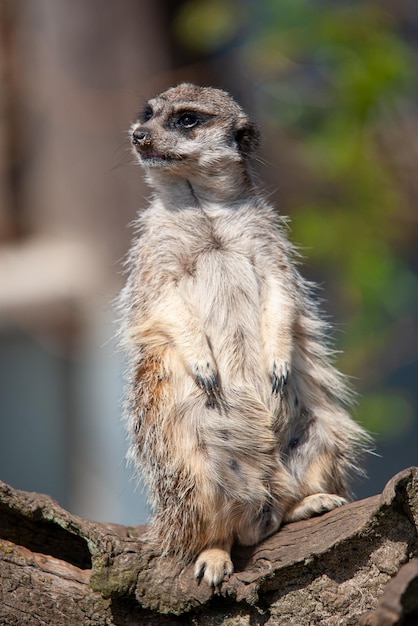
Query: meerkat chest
(222, 240)
(211, 257)
(216, 264)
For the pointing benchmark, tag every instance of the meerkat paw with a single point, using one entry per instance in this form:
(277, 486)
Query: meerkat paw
(315, 504)
(205, 375)
(279, 377)
(214, 565)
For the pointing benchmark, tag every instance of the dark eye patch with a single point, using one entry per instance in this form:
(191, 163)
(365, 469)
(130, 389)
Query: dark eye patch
(186, 120)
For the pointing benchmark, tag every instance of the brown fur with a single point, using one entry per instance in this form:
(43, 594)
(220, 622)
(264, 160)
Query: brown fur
(236, 415)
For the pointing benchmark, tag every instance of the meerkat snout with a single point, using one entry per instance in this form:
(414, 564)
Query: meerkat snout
(140, 136)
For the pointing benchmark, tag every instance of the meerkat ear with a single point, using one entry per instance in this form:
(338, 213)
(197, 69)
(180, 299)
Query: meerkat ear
(247, 136)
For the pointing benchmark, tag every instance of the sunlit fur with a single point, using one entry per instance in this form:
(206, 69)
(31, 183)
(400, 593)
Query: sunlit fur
(236, 416)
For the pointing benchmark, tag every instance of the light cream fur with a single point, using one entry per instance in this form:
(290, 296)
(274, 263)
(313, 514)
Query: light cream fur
(236, 415)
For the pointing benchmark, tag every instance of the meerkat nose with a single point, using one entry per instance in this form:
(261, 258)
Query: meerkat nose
(140, 136)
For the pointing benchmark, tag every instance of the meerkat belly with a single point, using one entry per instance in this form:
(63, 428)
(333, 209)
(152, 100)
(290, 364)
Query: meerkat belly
(224, 295)
(237, 442)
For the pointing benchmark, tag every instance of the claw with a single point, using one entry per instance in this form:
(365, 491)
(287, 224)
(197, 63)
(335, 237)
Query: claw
(280, 379)
(210, 385)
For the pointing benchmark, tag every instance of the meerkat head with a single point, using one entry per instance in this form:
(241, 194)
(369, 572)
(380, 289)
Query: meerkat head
(191, 128)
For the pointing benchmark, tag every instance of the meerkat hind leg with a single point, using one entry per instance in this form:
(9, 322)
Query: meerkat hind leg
(213, 565)
(316, 504)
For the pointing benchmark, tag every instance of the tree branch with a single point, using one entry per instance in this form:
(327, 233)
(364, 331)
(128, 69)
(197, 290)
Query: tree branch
(354, 565)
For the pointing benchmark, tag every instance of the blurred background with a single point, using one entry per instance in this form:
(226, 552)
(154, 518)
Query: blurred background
(333, 86)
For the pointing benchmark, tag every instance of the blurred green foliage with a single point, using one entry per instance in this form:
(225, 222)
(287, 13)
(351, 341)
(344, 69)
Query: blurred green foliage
(332, 74)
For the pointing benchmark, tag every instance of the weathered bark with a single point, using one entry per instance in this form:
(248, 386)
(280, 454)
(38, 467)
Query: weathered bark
(355, 565)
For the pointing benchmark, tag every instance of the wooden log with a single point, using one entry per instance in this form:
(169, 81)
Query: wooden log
(354, 565)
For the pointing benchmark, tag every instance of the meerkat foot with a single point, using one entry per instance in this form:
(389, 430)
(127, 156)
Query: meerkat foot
(214, 565)
(315, 504)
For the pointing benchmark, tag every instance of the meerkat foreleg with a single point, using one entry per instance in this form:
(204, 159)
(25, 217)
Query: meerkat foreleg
(277, 322)
(172, 322)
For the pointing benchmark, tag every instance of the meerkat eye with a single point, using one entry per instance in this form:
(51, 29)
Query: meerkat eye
(146, 114)
(187, 120)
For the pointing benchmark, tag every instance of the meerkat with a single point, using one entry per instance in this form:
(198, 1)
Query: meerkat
(236, 414)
